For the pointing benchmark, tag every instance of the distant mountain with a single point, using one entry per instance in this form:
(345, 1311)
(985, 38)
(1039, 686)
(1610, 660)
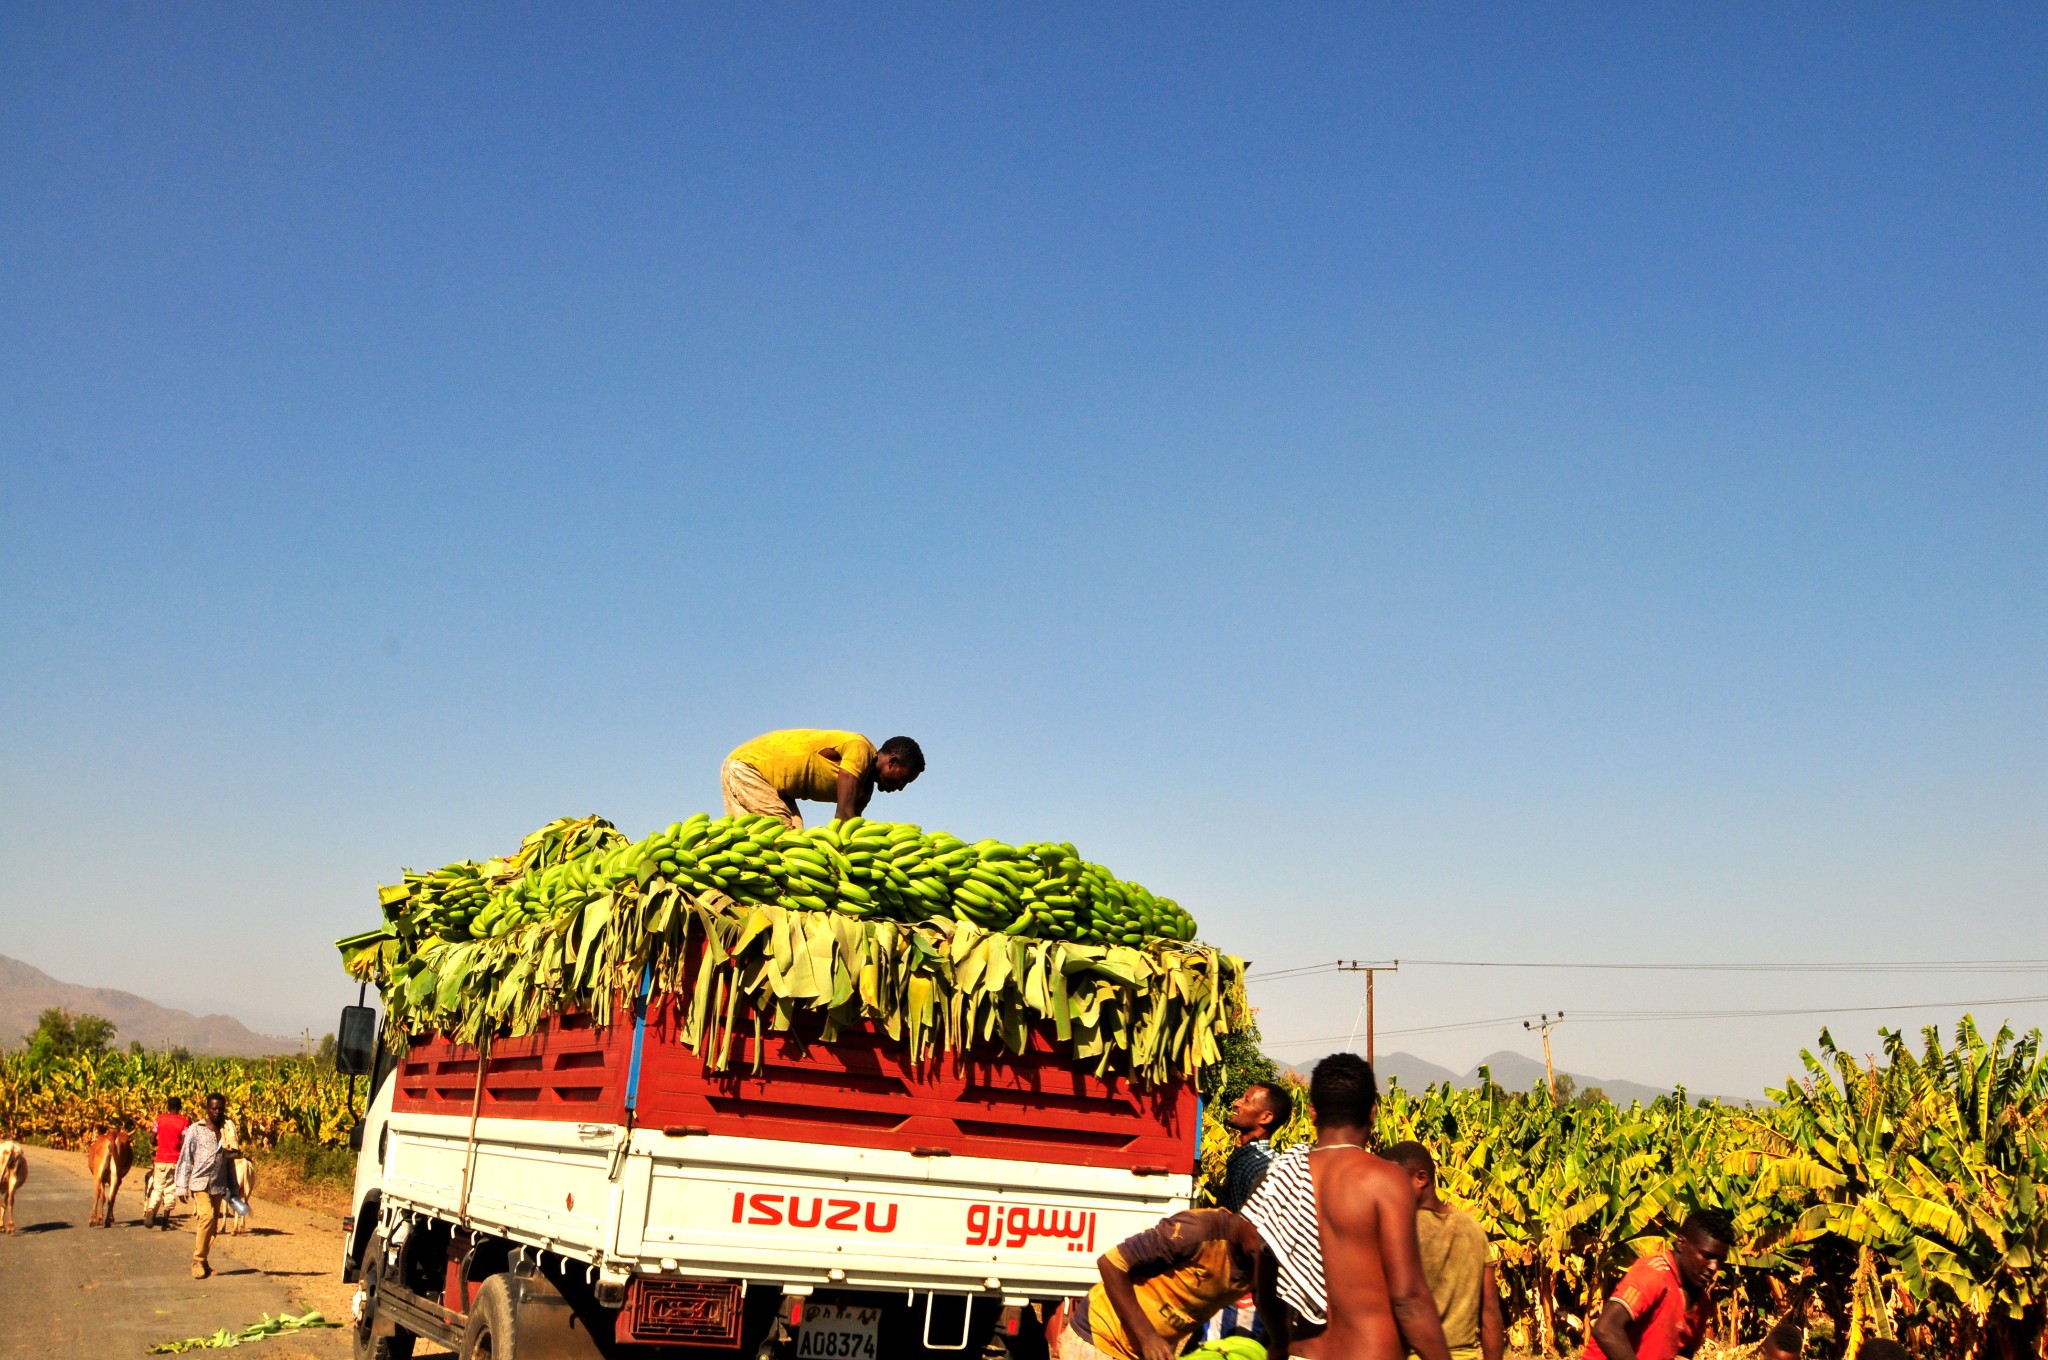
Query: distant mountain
(27, 991)
(1413, 1073)
(1519, 1072)
(1513, 1071)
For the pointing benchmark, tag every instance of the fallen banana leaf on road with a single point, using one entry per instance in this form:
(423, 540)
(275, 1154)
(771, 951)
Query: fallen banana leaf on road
(281, 1325)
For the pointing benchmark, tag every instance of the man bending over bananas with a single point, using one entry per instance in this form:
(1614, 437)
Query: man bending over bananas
(769, 775)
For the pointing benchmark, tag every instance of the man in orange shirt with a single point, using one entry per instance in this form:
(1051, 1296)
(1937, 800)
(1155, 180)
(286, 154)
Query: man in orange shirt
(1661, 1308)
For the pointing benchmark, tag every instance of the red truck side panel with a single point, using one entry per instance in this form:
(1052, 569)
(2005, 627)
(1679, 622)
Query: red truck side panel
(568, 1069)
(857, 1091)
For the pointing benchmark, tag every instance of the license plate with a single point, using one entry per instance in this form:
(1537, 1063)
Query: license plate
(838, 1331)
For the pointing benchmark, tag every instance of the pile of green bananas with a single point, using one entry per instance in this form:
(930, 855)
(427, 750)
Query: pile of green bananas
(1232, 1348)
(885, 870)
(547, 876)
(445, 902)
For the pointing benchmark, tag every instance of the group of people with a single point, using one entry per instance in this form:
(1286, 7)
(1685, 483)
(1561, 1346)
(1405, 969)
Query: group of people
(194, 1164)
(1351, 1254)
(1348, 1253)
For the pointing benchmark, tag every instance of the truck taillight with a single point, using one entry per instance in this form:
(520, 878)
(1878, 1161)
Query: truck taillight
(700, 1312)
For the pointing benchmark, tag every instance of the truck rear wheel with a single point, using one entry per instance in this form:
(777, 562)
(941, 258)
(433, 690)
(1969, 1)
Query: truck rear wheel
(492, 1333)
(525, 1317)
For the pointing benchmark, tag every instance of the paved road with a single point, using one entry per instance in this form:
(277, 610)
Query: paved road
(69, 1290)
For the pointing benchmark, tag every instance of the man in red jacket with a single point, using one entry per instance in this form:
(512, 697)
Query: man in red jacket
(1661, 1308)
(160, 1192)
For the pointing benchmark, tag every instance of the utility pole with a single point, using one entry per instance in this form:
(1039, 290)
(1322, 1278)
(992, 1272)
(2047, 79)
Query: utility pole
(1544, 1024)
(1366, 1007)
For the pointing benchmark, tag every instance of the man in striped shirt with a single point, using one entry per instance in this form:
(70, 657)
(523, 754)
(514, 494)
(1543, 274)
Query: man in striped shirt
(206, 1177)
(1362, 1296)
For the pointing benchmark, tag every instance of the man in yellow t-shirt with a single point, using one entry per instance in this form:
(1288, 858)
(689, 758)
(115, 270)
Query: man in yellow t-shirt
(1159, 1287)
(771, 773)
(1454, 1261)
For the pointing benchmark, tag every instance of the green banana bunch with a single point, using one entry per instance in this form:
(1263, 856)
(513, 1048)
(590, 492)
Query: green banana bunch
(882, 870)
(1232, 1348)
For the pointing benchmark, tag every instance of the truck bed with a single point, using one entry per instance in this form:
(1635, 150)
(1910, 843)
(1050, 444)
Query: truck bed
(838, 1165)
(860, 1090)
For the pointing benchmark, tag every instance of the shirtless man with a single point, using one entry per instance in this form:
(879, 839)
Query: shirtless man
(1342, 1223)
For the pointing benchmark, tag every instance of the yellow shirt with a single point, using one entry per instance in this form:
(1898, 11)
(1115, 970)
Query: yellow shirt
(1183, 1271)
(790, 761)
(1454, 1263)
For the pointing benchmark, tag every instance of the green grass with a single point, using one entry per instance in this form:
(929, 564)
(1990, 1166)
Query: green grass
(313, 1163)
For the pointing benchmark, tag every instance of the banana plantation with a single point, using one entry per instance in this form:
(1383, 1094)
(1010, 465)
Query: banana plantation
(66, 1101)
(1898, 1197)
(1895, 1196)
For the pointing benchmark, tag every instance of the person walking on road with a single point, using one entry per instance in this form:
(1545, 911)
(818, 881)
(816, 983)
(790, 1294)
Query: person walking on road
(1454, 1262)
(1253, 1117)
(1663, 1306)
(158, 1195)
(1340, 1224)
(206, 1177)
(771, 774)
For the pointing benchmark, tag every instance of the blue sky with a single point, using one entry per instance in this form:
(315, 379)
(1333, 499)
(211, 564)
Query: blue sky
(1473, 483)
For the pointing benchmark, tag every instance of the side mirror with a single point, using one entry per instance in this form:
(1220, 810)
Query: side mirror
(355, 1041)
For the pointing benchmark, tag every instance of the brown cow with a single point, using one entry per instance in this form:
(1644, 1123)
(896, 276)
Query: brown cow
(13, 1172)
(108, 1159)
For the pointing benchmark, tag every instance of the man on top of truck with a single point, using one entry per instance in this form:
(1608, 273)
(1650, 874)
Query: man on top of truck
(769, 775)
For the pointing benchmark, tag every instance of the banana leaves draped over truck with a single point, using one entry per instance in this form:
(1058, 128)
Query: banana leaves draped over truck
(583, 920)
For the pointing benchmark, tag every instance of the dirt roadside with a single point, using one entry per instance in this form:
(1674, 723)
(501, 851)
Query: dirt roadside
(69, 1289)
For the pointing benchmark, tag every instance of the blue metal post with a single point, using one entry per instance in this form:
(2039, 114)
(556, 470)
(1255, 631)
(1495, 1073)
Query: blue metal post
(639, 1036)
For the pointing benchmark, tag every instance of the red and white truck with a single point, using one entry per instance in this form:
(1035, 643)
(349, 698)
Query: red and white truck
(585, 1191)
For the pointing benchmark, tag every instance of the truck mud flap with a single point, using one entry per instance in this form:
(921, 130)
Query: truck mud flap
(549, 1326)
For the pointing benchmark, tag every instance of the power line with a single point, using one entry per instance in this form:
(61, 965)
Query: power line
(1330, 967)
(1914, 966)
(1917, 966)
(1620, 1017)
(1790, 1010)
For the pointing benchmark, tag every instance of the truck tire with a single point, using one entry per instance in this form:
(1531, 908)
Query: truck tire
(376, 1339)
(524, 1317)
(492, 1333)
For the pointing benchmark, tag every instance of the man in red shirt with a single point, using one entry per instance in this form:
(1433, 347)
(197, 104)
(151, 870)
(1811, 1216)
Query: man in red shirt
(170, 1133)
(1661, 1308)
